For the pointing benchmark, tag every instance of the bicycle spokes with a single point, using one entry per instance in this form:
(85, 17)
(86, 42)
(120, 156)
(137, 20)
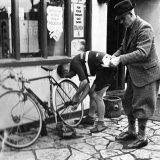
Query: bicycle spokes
(64, 93)
(22, 121)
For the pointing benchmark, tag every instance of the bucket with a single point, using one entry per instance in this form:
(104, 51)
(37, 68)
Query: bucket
(113, 106)
(118, 93)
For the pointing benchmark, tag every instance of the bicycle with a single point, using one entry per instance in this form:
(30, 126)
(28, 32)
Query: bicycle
(25, 112)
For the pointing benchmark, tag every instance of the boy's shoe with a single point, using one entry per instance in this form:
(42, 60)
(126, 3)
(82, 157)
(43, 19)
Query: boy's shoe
(88, 120)
(98, 128)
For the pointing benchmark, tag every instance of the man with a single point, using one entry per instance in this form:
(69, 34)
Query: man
(138, 54)
(90, 63)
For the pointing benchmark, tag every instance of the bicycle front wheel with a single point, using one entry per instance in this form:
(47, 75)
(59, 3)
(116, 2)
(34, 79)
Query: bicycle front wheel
(21, 119)
(62, 96)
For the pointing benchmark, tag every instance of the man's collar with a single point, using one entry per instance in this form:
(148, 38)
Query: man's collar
(131, 26)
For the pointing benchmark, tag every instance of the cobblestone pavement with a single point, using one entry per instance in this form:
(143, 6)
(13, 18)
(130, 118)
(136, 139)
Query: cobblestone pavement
(86, 146)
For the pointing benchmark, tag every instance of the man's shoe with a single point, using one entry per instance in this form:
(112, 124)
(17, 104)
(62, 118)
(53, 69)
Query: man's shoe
(138, 143)
(126, 136)
(87, 120)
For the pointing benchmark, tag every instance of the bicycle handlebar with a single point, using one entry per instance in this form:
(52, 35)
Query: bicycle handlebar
(16, 77)
(19, 77)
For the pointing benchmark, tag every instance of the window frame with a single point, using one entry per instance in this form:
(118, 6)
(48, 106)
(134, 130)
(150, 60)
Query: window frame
(45, 59)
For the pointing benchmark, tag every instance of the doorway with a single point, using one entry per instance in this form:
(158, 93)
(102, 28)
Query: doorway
(115, 33)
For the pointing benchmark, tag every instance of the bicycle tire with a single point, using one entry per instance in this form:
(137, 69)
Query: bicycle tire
(69, 116)
(21, 119)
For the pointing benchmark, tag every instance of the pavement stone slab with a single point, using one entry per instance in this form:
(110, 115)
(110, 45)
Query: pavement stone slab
(150, 133)
(157, 132)
(153, 147)
(115, 145)
(53, 154)
(87, 146)
(108, 153)
(23, 155)
(123, 157)
(77, 155)
(97, 155)
(112, 132)
(100, 147)
(100, 134)
(145, 154)
(156, 122)
(151, 123)
(97, 141)
(155, 139)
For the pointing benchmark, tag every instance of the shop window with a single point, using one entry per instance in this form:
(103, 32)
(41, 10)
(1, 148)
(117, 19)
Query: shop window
(29, 22)
(35, 28)
(55, 27)
(5, 30)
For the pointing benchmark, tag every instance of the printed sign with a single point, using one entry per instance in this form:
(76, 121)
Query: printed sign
(78, 1)
(78, 26)
(55, 21)
(77, 46)
(82, 1)
(74, 1)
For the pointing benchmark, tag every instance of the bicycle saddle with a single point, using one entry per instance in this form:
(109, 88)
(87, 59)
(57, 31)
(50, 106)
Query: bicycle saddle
(49, 68)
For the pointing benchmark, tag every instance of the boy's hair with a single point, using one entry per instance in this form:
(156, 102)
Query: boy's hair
(60, 70)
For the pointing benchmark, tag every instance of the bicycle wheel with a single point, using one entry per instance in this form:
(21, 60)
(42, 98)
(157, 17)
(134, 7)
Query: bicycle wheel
(62, 98)
(21, 119)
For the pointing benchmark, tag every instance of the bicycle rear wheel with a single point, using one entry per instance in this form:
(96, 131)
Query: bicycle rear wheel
(21, 119)
(62, 97)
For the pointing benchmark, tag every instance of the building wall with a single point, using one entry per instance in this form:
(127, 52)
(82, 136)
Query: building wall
(150, 11)
(41, 87)
(99, 26)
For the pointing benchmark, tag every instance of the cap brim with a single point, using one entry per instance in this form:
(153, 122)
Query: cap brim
(119, 17)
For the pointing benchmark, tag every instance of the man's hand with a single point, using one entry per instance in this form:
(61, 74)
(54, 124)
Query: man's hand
(113, 56)
(115, 61)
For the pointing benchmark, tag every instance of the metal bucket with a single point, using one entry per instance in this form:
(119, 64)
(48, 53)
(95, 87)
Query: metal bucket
(113, 106)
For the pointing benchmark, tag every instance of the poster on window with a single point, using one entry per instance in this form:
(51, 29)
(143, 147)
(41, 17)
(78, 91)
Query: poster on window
(77, 46)
(82, 1)
(78, 25)
(55, 22)
(78, 1)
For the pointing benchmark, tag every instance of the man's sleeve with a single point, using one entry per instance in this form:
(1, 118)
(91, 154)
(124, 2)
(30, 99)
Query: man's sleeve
(142, 49)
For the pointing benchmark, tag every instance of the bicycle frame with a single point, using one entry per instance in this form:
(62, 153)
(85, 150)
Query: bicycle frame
(32, 114)
(52, 83)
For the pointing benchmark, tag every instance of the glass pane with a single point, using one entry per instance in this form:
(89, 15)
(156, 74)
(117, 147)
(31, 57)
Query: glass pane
(5, 29)
(29, 19)
(55, 27)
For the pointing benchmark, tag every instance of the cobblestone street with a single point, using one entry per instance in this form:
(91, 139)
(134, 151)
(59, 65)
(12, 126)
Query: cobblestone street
(99, 146)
